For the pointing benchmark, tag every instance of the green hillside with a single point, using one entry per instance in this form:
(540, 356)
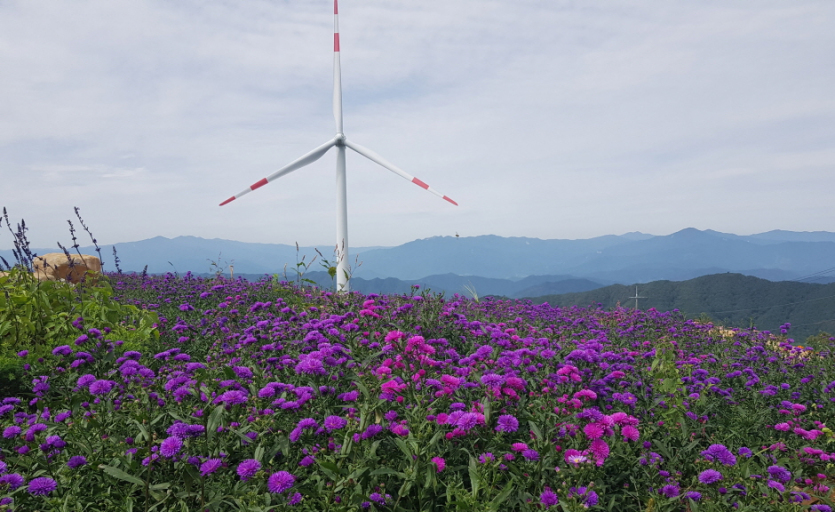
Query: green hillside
(729, 299)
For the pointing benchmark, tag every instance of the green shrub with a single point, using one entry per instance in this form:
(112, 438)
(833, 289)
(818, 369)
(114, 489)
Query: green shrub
(38, 316)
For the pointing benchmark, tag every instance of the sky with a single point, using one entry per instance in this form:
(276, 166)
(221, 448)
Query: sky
(547, 119)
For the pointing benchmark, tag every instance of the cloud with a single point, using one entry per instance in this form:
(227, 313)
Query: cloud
(549, 119)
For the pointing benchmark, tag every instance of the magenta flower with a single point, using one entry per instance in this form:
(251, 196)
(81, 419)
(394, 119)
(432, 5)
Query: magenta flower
(440, 463)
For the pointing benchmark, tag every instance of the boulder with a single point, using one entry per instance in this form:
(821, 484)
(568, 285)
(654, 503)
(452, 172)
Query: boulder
(56, 266)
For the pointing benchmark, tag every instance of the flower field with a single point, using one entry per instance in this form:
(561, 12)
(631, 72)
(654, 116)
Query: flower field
(262, 396)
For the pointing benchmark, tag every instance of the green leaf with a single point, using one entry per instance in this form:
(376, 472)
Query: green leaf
(535, 430)
(498, 500)
(387, 471)
(403, 447)
(474, 480)
(214, 421)
(121, 475)
(331, 466)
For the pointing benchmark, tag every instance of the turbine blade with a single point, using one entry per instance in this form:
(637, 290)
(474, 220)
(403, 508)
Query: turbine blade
(337, 71)
(374, 157)
(298, 163)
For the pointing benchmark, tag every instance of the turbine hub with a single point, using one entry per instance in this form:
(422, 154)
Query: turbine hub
(340, 139)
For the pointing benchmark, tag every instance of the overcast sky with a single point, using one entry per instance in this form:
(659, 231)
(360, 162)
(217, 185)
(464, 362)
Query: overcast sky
(548, 119)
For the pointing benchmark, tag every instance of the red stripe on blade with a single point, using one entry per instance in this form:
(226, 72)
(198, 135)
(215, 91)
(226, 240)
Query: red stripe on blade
(336, 42)
(228, 201)
(335, 7)
(259, 184)
(450, 200)
(420, 183)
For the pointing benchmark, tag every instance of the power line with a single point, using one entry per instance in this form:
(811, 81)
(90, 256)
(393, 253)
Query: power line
(818, 274)
(636, 297)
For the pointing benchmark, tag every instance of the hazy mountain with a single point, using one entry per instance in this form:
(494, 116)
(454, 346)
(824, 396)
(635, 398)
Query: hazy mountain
(632, 257)
(732, 299)
(450, 284)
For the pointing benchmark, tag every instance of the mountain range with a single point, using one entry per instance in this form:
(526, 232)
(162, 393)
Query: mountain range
(625, 259)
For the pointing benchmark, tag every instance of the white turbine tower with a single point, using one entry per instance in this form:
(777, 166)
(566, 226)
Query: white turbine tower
(340, 142)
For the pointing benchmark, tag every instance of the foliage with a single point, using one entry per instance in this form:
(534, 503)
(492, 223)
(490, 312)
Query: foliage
(732, 299)
(37, 316)
(264, 396)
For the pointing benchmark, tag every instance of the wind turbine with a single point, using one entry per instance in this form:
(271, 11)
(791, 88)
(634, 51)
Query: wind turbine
(340, 142)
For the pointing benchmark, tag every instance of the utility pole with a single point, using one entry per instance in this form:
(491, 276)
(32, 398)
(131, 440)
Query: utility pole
(636, 297)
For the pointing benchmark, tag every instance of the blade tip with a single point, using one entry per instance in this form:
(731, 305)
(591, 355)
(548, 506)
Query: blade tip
(228, 201)
(450, 200)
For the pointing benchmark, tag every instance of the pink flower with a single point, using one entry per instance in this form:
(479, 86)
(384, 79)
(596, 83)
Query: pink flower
(518, 447)
(600, 450)
(630, 433)
(441, 463)
(586, 393)
(783, 427)
(593, 430)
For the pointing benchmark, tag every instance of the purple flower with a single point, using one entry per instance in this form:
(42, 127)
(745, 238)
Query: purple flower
(13, 480)
(335, 423)
(693, 495)
(670, 491)
(531, 454)
(484, 458)
(248, 468)
(467, 421)
(295, 499)
(548, 498)
(720, 453)
(101, 387)
(745, 452)
(709, 476)
(776, 486)
(76, 461)
(63, 350)
(307, 461)
(507, 423)
(85, 380)
(232, 397)
(280, 482)
(42, 486)
(171, 446)
(10, 432)
(210, 466)
(23, 353)
(779, 473)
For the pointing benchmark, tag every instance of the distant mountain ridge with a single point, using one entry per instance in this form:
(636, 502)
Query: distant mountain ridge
(629, 258)
(450, 284)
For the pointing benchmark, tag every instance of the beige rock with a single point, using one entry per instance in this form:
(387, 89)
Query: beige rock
(56, 266)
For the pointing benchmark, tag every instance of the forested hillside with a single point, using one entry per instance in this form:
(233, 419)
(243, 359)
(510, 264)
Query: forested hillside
(732, 299)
